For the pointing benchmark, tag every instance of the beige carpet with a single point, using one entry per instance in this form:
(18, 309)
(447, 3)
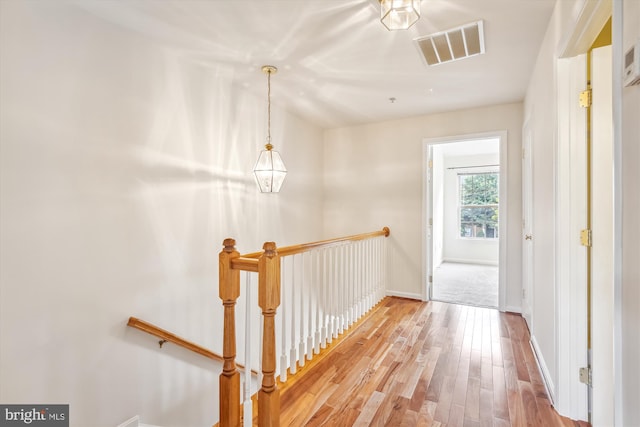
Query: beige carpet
(468, 284)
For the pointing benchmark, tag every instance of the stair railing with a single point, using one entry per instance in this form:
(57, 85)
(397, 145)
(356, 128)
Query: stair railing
(328, 285)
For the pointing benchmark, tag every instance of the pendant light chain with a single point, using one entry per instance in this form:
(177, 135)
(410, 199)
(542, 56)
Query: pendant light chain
(269, 146)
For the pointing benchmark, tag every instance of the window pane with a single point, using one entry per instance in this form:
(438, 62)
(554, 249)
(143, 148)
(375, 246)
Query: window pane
(479, 205)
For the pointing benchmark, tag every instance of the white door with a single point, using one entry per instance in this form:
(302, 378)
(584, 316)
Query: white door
(527, 236)
(602, 238)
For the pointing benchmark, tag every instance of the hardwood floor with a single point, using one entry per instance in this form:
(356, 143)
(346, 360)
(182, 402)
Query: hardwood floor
(412, 363)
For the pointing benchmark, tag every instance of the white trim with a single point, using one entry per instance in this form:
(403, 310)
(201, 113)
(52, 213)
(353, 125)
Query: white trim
(426, 194)
(586, 27)
(512, 309)
(503, 237)
(409, 295)
(131, 422)
(470, 261)
(135, 422)
(617, 55)
(546, 376)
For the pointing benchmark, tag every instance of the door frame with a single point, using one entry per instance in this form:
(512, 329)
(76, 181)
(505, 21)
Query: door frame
(427, 210)
(527, 225)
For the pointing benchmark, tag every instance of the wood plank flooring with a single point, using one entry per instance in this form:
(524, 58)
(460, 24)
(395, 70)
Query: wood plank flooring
(412, 363)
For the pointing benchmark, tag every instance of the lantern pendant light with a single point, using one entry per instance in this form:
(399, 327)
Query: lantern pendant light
(269, 169)
(399, 14)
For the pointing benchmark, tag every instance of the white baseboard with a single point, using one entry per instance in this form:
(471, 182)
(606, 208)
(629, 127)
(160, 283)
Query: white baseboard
(131, 422)
(546, 376)
(134, 422)
(513, 309)
(409, 295)
(470, 261)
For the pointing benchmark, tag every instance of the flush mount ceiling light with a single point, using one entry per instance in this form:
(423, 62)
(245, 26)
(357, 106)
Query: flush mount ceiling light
(450, 45)
(399, 14)
(269, 169)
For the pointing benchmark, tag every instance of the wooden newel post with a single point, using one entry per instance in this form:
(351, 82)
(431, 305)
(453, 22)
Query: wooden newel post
(269, 300)
(230, 377)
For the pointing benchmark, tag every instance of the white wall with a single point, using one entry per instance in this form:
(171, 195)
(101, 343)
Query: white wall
(124, 165)
(457, 249)
(630, 280)
(373, 178)
(541, 113)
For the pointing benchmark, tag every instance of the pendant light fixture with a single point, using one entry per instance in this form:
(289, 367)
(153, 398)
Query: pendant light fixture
(399, 14)
(269, 169)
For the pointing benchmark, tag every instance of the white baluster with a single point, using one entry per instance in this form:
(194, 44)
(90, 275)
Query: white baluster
(310, 286)
(332, 294)
(370, 266)
(301, 351)
(247, 406)
(345, 289)
(352, 286)
(292, 352)
(319, 288)
(325, 299)
(284, 308)
(359, 281)
(339, 291)
(381, 282)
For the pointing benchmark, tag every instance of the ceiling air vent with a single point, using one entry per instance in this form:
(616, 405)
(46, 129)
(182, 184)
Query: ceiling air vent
(451, 45)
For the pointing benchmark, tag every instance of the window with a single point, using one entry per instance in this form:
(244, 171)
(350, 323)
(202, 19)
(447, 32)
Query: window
(478, 205)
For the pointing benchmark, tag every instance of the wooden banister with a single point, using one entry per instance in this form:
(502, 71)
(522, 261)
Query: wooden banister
(267, 265)
(167, 336)
(229, 291)
(304, 247)
(269, 300)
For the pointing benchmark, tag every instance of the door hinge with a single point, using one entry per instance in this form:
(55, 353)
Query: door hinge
(585, 376)
(585, 238)
(585, 98)
(430, 164)
(430, 279)
(430, 221)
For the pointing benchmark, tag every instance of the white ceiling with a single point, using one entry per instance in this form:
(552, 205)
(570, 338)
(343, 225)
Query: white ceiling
(337, 63)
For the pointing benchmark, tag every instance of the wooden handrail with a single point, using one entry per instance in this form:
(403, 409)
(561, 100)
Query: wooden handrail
(245, 264)
(304, 247)
(170, 337)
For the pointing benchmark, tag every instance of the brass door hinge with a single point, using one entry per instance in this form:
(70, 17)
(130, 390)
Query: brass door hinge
(585, 98)
(430, 163)
(585, 238)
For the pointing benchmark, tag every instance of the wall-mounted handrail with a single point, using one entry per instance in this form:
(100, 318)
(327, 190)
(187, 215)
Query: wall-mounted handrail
(321, 244)
(167, 336)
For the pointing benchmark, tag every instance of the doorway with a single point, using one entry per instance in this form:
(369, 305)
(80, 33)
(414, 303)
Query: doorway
(465, 200)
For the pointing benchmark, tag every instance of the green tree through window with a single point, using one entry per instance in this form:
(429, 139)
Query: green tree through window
(478, 205)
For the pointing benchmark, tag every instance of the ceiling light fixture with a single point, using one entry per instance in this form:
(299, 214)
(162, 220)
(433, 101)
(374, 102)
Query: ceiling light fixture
(399, 14)
(269, 169)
